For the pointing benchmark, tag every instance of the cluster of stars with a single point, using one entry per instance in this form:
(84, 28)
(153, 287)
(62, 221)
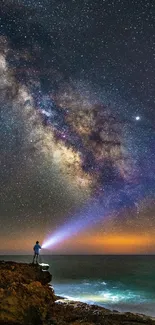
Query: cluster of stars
(77, 104)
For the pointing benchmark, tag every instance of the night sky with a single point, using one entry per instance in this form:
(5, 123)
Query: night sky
(77, 123)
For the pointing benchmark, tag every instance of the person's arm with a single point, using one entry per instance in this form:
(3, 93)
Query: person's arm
(39, 247)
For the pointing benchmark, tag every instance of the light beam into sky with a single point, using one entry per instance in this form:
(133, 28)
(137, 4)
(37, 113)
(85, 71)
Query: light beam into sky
(96, 210)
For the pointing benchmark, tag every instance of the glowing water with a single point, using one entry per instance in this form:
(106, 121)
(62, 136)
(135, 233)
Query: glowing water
(123, 283)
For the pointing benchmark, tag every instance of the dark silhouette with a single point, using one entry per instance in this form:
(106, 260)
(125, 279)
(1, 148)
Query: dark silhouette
(36, 249)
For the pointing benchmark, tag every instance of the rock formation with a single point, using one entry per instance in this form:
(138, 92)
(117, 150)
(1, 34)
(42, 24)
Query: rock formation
(27, 299)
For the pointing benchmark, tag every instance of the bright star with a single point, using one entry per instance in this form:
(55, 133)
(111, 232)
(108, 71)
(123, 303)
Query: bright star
(137, 118)
(46, 113)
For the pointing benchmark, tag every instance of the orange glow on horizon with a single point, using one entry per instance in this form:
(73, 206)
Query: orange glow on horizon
(114, 244)
(86, 244)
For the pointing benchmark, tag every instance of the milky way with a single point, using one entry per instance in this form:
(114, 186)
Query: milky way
(69, 126)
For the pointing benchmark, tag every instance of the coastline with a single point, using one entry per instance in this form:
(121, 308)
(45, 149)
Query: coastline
(77, 303)
(27, 298)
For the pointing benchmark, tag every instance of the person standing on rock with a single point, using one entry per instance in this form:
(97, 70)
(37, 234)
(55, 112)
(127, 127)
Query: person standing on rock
(36, 249)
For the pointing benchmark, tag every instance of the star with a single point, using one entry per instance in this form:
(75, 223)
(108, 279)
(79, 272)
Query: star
(137, 118)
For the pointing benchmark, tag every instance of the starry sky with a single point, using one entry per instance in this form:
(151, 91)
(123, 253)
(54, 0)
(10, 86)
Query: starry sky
(77, 125)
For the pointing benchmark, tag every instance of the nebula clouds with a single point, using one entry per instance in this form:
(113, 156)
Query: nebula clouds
(54, 152)
(61, 145)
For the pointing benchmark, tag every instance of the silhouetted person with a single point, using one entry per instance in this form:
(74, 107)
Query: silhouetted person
(36, 249)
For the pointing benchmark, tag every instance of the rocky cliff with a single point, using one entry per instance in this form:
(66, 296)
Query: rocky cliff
(27, 299)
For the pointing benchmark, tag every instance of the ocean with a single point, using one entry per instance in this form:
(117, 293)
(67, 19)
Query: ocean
(123, 283)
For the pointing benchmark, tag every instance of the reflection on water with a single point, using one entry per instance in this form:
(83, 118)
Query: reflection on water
(114, 298)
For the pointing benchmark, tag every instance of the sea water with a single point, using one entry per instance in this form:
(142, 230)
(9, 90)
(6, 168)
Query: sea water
(123, 283)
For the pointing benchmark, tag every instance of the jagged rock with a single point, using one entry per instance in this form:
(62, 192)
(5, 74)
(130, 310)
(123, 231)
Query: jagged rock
(77, 313)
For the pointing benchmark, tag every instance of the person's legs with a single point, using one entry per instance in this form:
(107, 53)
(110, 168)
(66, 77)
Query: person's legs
(37, 255)
(34, 257)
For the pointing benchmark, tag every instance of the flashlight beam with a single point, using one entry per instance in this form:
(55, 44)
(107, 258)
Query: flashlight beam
(99, 208)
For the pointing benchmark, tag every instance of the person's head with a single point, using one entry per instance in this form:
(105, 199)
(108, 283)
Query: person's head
(37, 242)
